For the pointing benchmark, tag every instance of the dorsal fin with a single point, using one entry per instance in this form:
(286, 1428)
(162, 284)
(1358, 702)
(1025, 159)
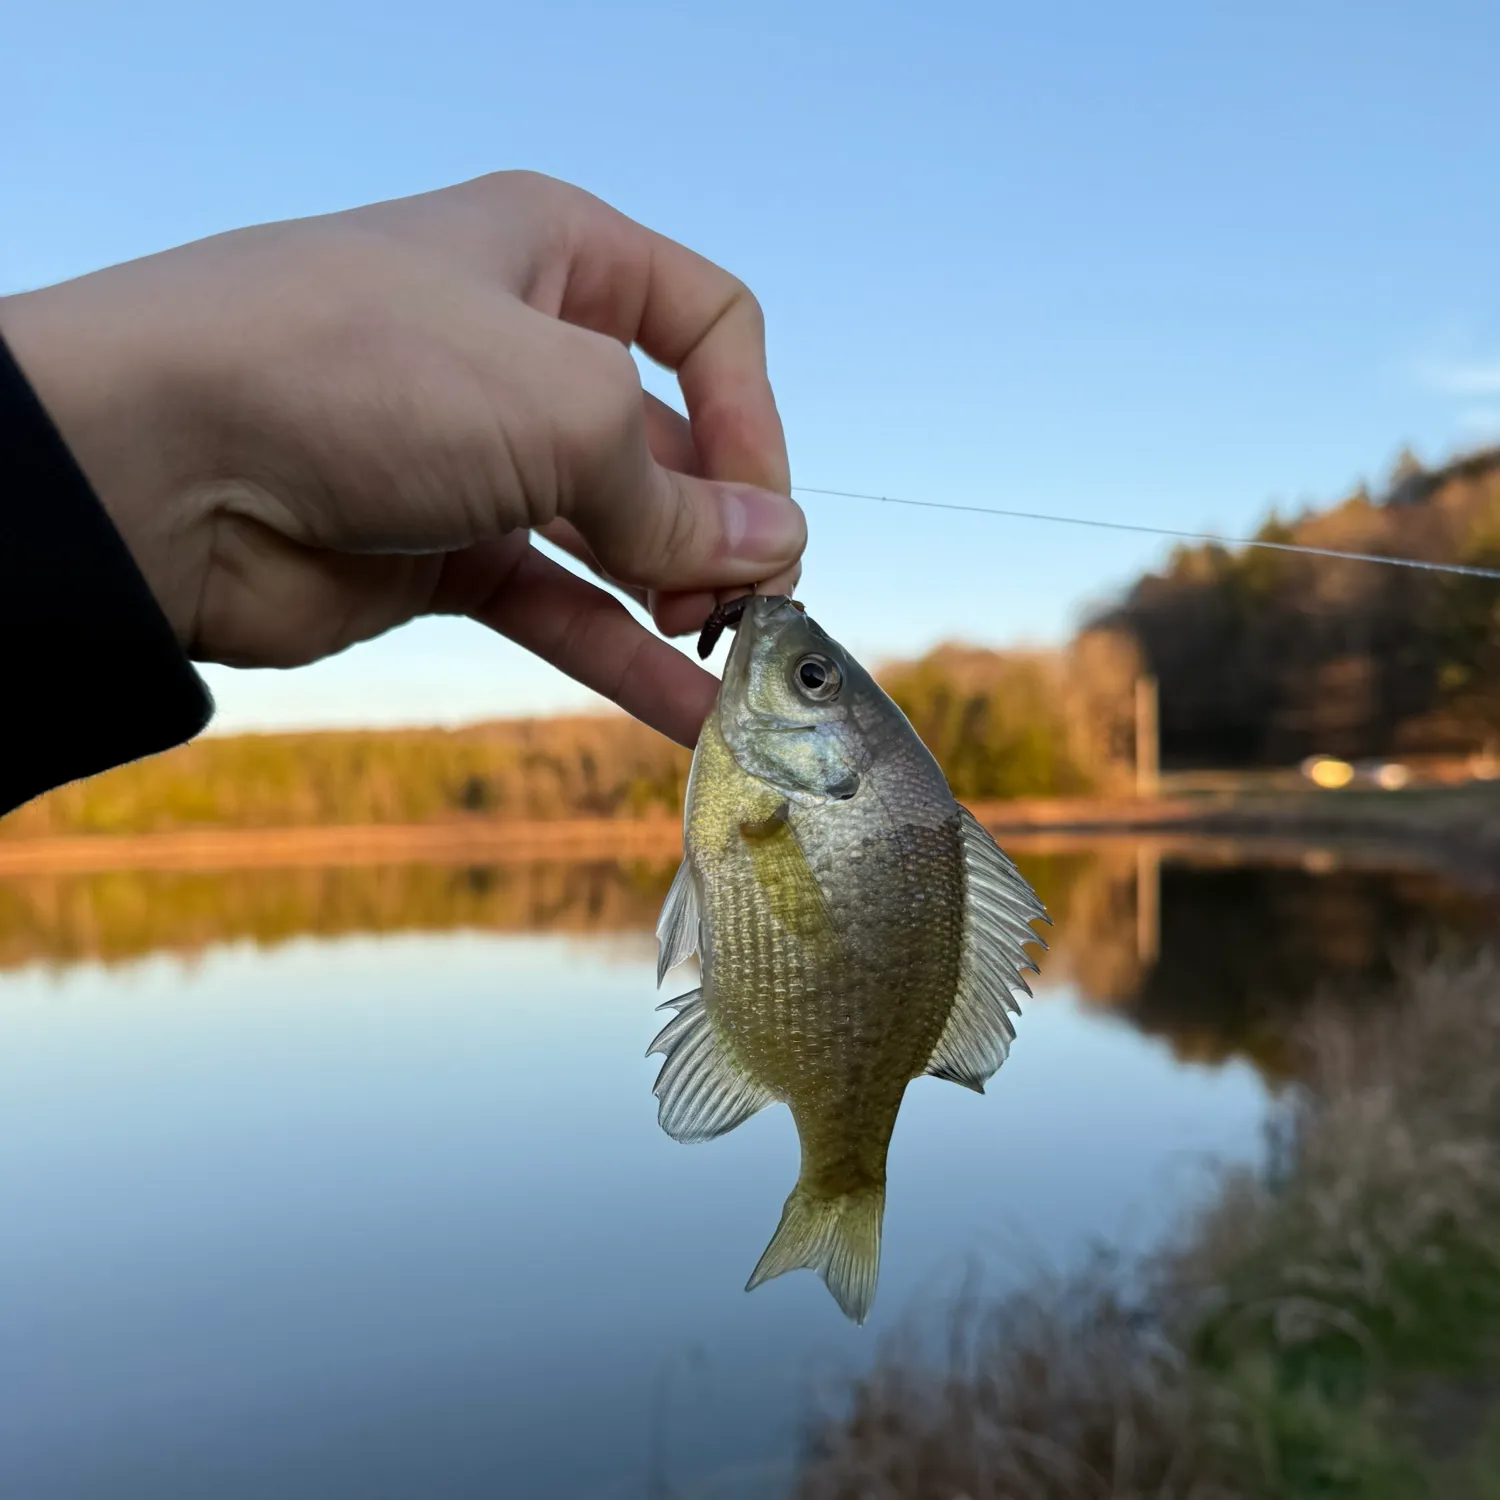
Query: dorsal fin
(999, 907)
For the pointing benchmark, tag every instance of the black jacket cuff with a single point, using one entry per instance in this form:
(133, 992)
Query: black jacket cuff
(90, 669)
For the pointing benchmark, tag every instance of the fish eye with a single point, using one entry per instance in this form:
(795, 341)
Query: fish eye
(816, 678)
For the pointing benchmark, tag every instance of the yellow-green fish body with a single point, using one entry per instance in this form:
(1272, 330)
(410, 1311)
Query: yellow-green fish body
(856, 928)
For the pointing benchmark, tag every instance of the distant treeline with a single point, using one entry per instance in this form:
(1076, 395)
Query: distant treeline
(1008, 724)
(1264, 657)
(1002, 725)
(604, 766)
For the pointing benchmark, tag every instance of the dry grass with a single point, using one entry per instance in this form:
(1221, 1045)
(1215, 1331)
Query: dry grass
(1068, 1392)
(1326, 1327)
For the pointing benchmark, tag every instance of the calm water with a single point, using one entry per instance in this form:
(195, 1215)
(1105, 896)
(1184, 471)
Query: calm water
(348, 1183)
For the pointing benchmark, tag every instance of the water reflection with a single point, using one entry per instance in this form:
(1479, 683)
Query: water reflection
(1244, 950)
(1211, 947)
(347, 1182)
(121, 916)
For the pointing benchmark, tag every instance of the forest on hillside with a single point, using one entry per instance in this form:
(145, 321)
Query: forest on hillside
(1001, 724)
(1264, 657)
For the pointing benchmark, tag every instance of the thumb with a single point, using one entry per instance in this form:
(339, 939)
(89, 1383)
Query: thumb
(674, 532)
(655, 527)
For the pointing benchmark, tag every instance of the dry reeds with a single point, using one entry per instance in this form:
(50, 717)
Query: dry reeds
(1327, 1326)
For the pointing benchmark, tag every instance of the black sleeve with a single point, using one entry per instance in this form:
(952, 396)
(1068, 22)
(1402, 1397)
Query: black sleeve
(90, 671)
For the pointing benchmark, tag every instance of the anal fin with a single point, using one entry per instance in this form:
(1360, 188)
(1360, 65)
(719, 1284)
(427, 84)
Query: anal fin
(703, 1091)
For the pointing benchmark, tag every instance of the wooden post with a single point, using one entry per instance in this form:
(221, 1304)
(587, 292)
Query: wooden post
(1147, 902)
(1147, 749)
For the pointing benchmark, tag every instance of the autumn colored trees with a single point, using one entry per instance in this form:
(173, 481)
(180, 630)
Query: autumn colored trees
(1261, 658)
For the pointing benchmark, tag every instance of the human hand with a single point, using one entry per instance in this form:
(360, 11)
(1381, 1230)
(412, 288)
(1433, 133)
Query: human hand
(311, 432)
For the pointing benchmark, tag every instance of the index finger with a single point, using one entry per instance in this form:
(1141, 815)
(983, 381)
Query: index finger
(692, 316)
(591, 636)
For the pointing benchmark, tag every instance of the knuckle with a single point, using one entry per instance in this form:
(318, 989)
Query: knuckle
(679, 527)
(522, 182)
(750, 308)
(566, 210)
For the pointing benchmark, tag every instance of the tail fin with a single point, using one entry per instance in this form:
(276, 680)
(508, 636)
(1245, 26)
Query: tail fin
(837, 1237)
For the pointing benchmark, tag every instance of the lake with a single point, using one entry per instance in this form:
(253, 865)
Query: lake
(347, 1183)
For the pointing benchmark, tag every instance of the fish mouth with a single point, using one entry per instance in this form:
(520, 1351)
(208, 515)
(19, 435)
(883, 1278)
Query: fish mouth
(755, 618)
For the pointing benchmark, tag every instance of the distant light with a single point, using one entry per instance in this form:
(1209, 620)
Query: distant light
(1485, 766)
(1328, 773)
(1392, 777)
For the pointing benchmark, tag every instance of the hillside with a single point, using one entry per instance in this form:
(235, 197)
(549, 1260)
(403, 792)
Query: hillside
(1265, 657)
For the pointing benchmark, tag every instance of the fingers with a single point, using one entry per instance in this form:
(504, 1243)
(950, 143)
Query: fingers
(592, 637)
(691, 316)
(646, 524)
(682, 512)
(700, 321)
(670, 438)
(683, 614)
(565, 535)
(639, 287)
(670, 441)
(675, 613)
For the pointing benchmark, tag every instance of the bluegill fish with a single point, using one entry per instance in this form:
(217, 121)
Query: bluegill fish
(856, 928)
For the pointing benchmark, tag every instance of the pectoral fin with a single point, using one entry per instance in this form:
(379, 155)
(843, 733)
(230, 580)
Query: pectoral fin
(999, 908)
(677, 927)
(703, 1090)
(795, 898)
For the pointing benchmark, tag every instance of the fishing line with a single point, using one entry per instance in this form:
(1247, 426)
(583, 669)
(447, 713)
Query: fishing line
(1188, 536)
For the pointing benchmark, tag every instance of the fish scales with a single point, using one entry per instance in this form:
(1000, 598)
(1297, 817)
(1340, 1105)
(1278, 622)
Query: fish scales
(815, 1019)
(855, 929)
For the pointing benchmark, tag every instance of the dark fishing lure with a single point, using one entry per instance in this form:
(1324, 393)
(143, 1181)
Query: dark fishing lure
(724, 617)
(727, 616)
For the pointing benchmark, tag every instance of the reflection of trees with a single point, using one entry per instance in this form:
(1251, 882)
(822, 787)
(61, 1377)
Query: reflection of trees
(1095, 942)
(125, 915)
(1244, 950)
(1217, 959)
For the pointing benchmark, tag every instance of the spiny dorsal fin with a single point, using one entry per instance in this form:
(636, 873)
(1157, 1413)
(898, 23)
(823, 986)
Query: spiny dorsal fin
(998, 910)
(703, 1091)
(677, 927)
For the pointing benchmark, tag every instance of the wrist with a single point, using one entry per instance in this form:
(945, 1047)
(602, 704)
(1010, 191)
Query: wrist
(111, 393)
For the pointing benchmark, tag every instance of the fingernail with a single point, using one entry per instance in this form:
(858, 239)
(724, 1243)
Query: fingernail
(761, 526)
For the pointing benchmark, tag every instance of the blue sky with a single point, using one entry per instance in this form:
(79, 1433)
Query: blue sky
(1168, 263)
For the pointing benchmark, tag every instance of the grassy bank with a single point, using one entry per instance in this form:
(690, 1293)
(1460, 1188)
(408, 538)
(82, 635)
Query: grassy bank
(1329, 1326)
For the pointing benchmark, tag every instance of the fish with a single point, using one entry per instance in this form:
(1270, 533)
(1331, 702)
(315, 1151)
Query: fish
(856, 929)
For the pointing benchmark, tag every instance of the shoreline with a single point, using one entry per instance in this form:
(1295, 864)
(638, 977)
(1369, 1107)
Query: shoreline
(1455, 827)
